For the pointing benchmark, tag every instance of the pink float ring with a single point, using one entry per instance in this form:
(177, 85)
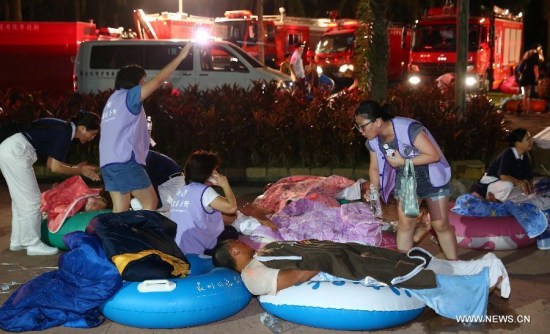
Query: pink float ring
(489, 233)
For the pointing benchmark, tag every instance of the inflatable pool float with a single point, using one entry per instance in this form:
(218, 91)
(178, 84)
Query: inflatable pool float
(343, 305)
(489, 233)
(78, 222)
(206, 295)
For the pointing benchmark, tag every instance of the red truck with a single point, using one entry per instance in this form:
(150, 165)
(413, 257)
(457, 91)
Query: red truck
(281, 32)
(171, 25)
(40, 55)
(335, 50)
(494, 45)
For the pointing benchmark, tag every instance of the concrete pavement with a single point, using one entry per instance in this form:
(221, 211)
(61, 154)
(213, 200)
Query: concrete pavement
(526, 311)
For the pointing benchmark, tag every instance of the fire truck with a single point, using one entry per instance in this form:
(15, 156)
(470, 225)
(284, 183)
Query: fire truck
(171, 25)
(281, 32)
(40, 55)
(494, 46)
(335, 50)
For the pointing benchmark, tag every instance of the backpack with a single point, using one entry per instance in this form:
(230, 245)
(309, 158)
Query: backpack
(518, 71)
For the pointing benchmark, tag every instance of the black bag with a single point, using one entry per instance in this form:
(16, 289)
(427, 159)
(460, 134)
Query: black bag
(9, 128)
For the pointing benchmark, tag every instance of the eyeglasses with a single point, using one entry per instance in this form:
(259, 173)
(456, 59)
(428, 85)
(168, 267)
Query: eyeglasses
(360, 127)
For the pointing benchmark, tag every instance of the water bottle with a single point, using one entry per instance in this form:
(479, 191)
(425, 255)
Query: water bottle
(149, 124)
(271, 322)
(374, 199)
(150, 129)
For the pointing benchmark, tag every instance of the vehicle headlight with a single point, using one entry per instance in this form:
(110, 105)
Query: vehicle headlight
(319, 70)
(345, 68)
(286, 84)
(471, 81)
(414, 80)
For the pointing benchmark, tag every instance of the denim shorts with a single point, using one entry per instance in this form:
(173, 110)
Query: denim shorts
(125, 177)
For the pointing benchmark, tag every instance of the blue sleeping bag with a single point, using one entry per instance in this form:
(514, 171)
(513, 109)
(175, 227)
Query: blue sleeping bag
(69, 296)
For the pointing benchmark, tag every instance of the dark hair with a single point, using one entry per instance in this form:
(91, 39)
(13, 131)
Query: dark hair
(90, 120)
(222, 257)
(200, 165)
(515, 136)
(129, 76)
(372, 110)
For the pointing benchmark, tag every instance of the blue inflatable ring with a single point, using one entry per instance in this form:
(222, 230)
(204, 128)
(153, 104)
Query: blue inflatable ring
(206, 295)
(343, 305)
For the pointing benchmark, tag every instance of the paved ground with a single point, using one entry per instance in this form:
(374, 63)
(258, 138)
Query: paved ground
(529, 270)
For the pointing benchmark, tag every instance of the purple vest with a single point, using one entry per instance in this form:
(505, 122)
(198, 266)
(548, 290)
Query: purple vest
(440, 171)
(122, 133)
(198, 227)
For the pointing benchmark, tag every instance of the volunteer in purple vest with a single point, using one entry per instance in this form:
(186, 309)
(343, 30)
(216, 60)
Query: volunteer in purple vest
(49, 137)
(199, 210)
(390, 140)
(124, 141)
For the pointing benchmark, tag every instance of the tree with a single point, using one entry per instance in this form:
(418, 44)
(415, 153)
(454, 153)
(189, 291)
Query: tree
(13, 11)
(371, 53)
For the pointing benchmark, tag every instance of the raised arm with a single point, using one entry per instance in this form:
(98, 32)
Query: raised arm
(150, 86)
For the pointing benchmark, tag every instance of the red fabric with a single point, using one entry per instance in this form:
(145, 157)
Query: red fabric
(64, 200)
(510, 85)
(316, 188)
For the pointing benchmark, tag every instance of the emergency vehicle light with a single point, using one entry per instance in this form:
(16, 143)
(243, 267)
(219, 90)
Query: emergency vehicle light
(237, 14)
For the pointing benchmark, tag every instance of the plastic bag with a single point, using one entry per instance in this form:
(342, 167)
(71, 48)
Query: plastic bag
(407, 196)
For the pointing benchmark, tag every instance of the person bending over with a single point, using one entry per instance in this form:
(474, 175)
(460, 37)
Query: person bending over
(49, 137)
(391, 140)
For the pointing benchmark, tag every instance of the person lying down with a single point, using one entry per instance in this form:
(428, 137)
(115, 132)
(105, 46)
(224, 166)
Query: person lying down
(450, 288)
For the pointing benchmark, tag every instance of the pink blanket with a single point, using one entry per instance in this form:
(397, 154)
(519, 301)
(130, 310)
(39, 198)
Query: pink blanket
(306, 219)
(64, 200)
(317, 188)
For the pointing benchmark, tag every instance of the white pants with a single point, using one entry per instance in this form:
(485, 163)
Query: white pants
(17, 156)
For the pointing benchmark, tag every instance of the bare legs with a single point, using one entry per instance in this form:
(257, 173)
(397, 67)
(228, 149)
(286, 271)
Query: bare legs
(147, 197)
(439, 213)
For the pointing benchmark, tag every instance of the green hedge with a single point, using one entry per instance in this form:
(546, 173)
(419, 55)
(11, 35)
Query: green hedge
(263, 126)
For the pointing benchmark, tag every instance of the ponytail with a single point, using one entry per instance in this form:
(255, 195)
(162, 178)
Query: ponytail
(372, 110)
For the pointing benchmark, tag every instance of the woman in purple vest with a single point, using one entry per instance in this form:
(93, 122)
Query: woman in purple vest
(124, 141)
(390, 140)
(199, 210)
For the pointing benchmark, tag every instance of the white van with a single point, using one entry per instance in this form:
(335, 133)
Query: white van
(209, 64)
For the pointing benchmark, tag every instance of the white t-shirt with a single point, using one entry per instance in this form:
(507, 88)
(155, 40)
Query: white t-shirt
(209, 195)
(298, 65)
